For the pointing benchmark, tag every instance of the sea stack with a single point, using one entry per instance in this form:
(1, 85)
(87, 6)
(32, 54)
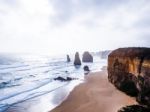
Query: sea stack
(68, 58)
(129, 71)
(77, 60)
(87, 57)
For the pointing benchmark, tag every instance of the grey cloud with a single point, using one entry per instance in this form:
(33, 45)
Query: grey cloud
(84, 5)
(11, 3)
(63, 9)
(67, 9)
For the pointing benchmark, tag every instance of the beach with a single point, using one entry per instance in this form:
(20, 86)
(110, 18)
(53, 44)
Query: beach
(96, 94)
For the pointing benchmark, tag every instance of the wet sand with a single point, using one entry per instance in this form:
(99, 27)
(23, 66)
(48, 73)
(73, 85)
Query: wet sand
(95, 95)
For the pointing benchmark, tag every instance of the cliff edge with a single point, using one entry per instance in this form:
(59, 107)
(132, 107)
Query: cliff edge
(129, 71)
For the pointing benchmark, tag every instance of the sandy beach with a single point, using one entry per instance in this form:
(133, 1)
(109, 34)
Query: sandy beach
(96, 94)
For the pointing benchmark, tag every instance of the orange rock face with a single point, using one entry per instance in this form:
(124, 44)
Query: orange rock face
(129, 71)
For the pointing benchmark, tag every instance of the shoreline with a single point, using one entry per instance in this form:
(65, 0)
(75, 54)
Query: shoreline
(46, 102)
(95, 94)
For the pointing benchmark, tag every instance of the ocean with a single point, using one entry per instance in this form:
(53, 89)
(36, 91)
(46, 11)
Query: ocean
(27, 81)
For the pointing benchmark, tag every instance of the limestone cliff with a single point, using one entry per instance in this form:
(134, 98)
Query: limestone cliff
(129, 71)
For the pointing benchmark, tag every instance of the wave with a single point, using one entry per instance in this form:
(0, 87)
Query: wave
(29, 95)
(28, 78)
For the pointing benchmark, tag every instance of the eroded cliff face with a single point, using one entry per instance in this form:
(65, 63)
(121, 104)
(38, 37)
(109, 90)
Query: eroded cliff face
(129, 71)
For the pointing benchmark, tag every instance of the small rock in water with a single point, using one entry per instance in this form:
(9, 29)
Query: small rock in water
(65, 79)
(60, 78)
(86, 69)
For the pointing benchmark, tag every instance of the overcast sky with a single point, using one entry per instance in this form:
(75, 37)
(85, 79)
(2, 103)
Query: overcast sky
(64, 26)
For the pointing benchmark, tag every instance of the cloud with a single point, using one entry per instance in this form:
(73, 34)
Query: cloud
(11, 3)
(126, 22)
(70, 25)
(68, 9)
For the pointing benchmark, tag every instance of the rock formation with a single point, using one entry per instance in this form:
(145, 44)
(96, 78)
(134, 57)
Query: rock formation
(77, 60)
(65, 79)
(129, 71)
(68, 58)
(87, 57)
(86, 70)
(134, 108)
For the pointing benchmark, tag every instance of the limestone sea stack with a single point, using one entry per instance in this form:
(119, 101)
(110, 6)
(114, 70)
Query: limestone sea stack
(77, 60)
(87, 57)
(129, 71)
(68, 58)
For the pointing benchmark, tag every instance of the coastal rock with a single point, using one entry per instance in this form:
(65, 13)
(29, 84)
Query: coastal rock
(134, 108)
(68, 58)
(87, 57)
(77, 60)
(86, 70)
(65, 79)
(129, 71)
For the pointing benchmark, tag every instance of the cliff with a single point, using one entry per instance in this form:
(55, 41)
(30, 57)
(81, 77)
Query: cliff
(129, 71)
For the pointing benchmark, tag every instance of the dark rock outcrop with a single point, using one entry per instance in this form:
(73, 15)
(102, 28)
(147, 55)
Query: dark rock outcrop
(134, 108)
(86, 69)
(87, 57)
(68, 58)
(65, 79)
(77, 60)
(129, 71)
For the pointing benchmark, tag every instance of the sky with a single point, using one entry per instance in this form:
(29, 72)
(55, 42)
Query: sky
(66, 26)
